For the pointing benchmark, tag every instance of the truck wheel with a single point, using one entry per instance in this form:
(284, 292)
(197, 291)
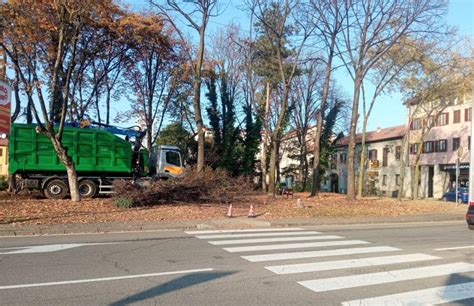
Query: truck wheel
(87, 189)
(56, 189)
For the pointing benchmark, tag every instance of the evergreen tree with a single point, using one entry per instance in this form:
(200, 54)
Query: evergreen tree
(328, 141)
(230, 134)
(251, 141)
(213, 112)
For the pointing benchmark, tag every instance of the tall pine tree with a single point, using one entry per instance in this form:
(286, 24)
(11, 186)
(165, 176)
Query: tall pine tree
(251, 141)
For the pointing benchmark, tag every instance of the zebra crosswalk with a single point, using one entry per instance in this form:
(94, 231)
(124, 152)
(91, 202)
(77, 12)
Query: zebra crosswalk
(289, 244)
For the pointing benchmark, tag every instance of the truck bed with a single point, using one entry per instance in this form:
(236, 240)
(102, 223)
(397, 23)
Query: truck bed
(92, 150)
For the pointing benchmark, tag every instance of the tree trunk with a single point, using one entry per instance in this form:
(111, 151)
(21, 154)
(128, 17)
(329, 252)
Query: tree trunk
(149, 140)
(197, 94)
(352, 139)
(303, 162)
(264, 162)
(107, 107)
(277, 163)
(317, 151)
(12, 183)
(305, 177)
(29, 112)
(265, 140)
(416, 185)
(271, 183)
(403, 151)
(3, 59)
(360, 180)
(301, 170)
(70, 168)
(199, 124)
(319, 119)
(97, 106)
(16, 90)
(72, 180)
(416, 176)
(276, 139)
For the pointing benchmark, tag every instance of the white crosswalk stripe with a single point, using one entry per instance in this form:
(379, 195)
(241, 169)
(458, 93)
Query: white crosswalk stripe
(218, 236)
(293, 246)
(260, 240)
(352, 263)
(353, 281)
(265, 240)
(314, 254)
(256, 230)
(432, 296)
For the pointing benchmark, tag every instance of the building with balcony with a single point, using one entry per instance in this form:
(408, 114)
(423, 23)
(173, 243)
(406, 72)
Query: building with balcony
(441, 131)
(444, 134)
(382, 164)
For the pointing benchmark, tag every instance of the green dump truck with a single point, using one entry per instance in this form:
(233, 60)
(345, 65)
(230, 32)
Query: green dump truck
(100, 157)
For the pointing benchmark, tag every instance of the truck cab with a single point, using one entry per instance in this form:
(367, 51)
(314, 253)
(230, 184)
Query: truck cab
(166, 162)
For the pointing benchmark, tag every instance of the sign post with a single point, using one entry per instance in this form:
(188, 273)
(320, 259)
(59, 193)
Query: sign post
(460, 151)
(471, 162)
(457, 179)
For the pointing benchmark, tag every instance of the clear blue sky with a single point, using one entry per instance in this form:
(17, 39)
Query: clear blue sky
(389, 110)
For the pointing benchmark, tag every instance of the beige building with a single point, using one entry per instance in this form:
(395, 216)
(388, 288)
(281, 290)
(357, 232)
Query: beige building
(446, 140)
(382, 165)
(447, 133)
(382, 162)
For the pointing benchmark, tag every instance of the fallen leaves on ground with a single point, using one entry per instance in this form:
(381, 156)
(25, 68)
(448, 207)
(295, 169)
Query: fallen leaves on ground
(29, 209)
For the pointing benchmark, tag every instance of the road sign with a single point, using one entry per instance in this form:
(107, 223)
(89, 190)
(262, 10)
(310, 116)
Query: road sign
(5, 108)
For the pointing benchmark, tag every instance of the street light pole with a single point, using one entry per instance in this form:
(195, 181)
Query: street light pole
(471, 154)
(457, 179)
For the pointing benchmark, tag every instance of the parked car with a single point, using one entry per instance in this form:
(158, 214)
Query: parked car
(450, 195)
(470, 216)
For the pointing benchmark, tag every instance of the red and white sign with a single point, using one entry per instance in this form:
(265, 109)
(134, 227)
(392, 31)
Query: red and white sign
(5, 108)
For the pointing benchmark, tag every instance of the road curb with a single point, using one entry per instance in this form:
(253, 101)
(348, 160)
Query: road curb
(229, 223)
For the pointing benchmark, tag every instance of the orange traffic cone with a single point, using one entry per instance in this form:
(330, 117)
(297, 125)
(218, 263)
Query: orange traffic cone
(229, 211)
(251, 212)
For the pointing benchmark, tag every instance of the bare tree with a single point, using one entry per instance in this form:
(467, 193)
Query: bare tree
(372, 28)
(196, 15)
(383, 78)
(97, 72)
(306, 99)
(440, 77)
(275, 26)
(151, 70)
(327, 17)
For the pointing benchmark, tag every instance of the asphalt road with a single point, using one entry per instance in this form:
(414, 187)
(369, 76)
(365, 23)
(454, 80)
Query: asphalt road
(402, 264)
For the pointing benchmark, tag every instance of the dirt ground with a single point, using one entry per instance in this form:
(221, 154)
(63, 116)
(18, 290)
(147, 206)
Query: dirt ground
(29, 209)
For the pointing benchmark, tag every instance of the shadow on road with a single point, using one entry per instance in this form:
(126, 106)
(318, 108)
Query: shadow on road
(459, 279)
(173, 285)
